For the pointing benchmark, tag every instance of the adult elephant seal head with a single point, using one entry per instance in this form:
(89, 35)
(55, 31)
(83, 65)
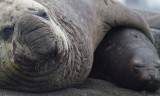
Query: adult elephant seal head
(48, 45)
(33, 47)
(127, 58)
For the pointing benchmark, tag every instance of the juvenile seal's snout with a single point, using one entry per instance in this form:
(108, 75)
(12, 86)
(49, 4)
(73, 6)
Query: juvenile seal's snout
(152, 74)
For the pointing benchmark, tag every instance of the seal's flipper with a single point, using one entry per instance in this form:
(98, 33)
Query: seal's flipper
(119, 15)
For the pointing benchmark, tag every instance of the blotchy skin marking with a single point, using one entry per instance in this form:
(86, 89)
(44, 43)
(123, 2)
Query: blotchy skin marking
(45, 54)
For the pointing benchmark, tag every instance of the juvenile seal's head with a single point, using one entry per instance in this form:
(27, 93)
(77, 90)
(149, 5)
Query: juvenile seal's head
(36, 54)
(127, 58)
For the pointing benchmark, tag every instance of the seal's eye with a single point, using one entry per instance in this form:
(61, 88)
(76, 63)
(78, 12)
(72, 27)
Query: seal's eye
(158, 67)
(7, 32)
(43, 14)
(138, 66)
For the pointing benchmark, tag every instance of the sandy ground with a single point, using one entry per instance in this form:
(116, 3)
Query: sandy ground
(91, 87)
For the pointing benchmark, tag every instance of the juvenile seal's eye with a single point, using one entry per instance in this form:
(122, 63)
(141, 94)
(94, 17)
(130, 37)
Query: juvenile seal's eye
(138, 66)
(43, 14)
(7, 32)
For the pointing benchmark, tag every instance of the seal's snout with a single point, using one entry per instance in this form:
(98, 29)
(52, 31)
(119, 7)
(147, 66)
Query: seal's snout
(147, 72)
(152, 75)
(38, 35)
(152, 79)
(39, 44)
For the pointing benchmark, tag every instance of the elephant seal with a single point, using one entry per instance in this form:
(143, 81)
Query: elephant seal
(127, 58)
(49, 44)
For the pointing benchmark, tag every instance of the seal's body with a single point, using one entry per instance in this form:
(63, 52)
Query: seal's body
(127, 58)
(49, 44)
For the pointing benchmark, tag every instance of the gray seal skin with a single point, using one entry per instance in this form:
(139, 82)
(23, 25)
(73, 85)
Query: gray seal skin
(47, 45)
(127, 58)
(153, 20)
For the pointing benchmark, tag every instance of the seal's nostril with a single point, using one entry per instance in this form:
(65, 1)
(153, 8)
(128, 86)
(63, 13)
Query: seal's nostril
(152, 76)
(56, 49)
(53, 51)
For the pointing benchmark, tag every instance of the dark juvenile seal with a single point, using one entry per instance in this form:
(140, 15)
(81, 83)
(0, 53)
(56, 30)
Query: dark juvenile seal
(49, 44)
(127, 58)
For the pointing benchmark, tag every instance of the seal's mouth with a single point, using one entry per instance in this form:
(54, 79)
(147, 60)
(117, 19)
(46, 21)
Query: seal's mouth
(152, 86)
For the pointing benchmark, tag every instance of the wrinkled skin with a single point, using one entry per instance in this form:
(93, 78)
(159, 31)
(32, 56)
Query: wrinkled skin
(49, 45)
(151, 18)
(127, 58)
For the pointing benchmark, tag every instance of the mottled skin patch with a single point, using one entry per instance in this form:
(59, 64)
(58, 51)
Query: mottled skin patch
(53, 41)
(127, 58)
